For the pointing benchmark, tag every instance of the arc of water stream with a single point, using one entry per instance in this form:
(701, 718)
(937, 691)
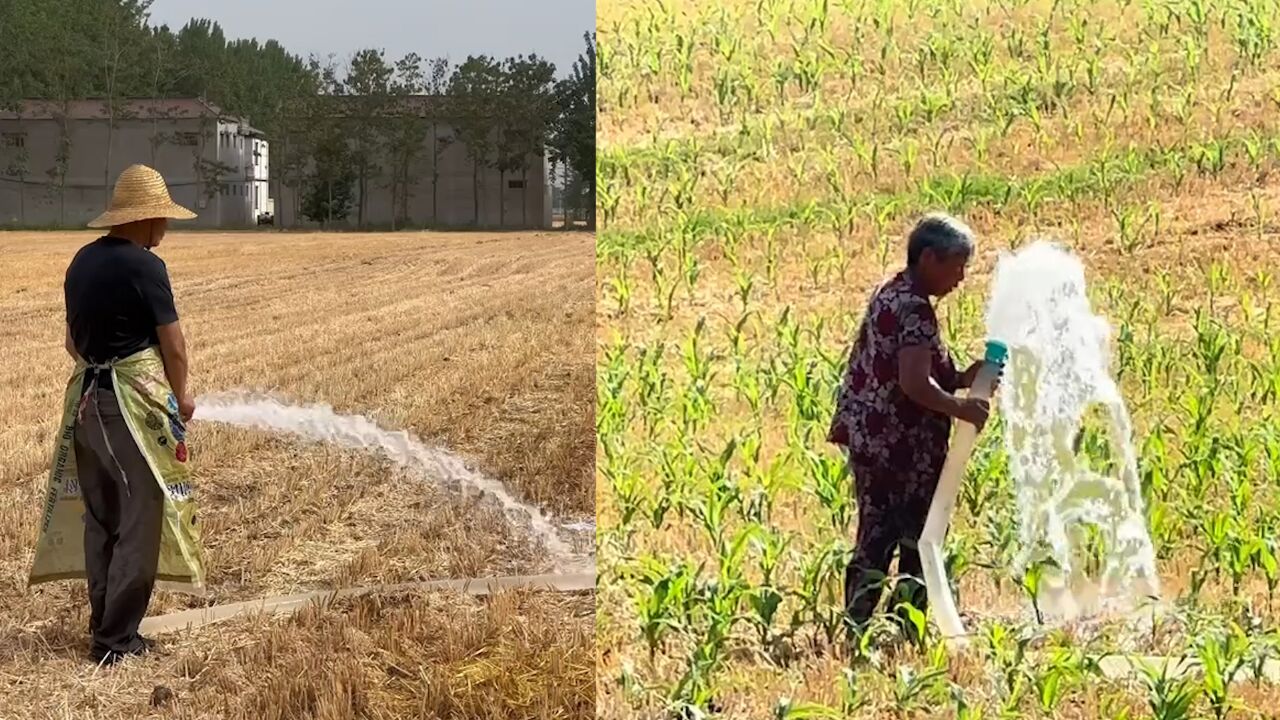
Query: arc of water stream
(319, 422)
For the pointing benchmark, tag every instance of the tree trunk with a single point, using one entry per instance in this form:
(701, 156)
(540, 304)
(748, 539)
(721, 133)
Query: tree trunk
(502, 198)
(407, 219)
(524, 197)
(591, 202)
(63, 162)
(568, 177)
(363, 186)
(155, 121)
(475, 191)
(293, 201)
(435, 172)
(395, 192)
(106, 171)
(564, 196)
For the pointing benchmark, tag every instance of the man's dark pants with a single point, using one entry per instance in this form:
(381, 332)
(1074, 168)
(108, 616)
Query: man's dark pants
(121, 526)
(892, 507)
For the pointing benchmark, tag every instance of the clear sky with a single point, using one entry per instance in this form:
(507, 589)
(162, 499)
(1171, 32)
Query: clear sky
(432, 28)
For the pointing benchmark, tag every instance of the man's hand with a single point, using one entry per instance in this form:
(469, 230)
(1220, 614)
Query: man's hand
(173, 349)
(186, 407)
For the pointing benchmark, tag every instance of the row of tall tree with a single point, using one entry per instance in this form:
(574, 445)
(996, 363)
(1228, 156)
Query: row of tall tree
(340, 133)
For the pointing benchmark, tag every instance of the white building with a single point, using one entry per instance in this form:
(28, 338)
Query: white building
(59, 161)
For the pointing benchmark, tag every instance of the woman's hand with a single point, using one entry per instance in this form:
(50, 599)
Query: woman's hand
(970, 374)
(914, 365)
(974, 411)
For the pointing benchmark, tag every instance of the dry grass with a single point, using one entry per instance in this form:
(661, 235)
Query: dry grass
(515, 655)
(477, 342)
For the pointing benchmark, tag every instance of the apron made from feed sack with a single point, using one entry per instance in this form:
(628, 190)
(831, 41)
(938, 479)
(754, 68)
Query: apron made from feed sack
(151, 413)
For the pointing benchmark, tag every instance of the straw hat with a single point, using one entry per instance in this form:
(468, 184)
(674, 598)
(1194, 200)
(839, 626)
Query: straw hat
(140, 194)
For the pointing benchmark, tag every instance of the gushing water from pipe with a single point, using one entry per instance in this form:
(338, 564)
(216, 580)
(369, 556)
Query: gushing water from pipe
(1083, 528)
(1087, 521)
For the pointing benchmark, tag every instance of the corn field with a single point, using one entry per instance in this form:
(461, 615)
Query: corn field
(759, 165)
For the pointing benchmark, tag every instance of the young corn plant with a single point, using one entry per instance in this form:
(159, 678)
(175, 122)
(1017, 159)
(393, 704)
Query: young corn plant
(913, 686)
(664, 599)
(766, 598)
(1169, 695)
(1222, 656)
(1066, 671)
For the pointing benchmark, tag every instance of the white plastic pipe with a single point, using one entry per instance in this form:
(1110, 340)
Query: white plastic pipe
(932, 563)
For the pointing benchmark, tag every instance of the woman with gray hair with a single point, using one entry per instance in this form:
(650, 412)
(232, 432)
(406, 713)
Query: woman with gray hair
(894, 410)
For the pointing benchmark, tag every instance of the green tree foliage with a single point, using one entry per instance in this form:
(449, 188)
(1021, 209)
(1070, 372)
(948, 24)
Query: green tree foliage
(573, 136)
(475, 92)
(405, 134)
(528, 111)
(329, 189)
(391, 113)
(368, 85)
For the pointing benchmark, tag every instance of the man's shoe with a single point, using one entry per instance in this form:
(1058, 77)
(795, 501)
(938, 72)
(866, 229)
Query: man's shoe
(111, 657)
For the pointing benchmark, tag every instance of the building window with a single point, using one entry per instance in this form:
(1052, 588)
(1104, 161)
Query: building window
(13, 140)
(515, 184)
(188, 138)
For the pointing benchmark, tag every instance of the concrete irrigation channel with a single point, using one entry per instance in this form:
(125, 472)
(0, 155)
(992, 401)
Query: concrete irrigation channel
(1119, 666)
(290, 604)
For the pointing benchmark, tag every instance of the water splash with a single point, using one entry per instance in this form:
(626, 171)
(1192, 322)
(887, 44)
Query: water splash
(1057, 372)
(320, 423)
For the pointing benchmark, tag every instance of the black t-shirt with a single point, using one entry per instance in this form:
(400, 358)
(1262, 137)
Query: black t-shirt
(117, 293)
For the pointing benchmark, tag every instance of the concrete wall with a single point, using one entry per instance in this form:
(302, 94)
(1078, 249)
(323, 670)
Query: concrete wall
(175, 147)
(171, 146)
(500, 204)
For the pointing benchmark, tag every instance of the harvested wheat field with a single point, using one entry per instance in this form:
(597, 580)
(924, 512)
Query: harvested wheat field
(479, 344)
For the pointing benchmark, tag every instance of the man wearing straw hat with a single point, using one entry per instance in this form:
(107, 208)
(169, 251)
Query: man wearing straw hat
(129, 413)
